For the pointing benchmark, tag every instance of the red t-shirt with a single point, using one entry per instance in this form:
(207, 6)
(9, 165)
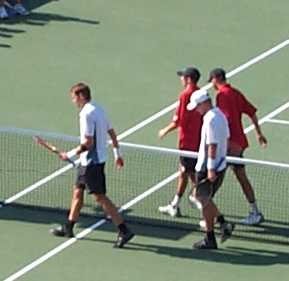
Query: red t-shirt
(189, 122)
(233, 104)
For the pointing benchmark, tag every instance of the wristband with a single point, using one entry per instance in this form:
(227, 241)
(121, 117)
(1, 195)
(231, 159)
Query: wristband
(71, 153)
(116, 153)
(211, 164)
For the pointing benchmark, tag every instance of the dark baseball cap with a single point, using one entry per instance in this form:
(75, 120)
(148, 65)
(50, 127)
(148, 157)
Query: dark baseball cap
(191, 72)
(219, 73)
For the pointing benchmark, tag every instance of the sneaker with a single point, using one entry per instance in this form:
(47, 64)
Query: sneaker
(253, 219)
(3, 13)
(206, 244)
(123, 238)
(170, 210)
(226, 231)
(62, 231)
(19, 9)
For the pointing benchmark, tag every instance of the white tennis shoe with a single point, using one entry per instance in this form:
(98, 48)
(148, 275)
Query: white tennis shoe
(170, 210)
(253, 219)
(19, 9)
(3, 13)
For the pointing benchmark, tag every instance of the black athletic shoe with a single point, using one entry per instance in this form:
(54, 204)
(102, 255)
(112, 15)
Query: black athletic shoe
(123, 238)
(226, 231)
(206, 244)
(62, 231)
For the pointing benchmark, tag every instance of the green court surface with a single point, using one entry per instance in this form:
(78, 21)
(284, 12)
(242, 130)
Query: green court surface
(128, 52)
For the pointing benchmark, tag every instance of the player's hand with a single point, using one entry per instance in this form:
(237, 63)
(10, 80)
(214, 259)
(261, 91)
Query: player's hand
(212, 175)
(162, 133)
(262, 140)
(119, 163)
(63, 156)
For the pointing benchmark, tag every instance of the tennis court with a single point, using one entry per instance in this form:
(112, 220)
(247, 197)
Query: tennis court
(128, 52)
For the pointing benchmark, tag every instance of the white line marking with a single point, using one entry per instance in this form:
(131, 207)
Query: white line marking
(278, 121)
(269, 116)
(88, 230)
(134, 129)
(208, 86)
(168, 109)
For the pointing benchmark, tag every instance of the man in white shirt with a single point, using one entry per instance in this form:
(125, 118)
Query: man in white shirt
(94, 127)
(211, 166)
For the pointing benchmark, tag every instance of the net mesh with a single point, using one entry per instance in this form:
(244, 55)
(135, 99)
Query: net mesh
(24, 163)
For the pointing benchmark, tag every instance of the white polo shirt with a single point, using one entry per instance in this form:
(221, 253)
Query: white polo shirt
(215, 130)
(94, 123)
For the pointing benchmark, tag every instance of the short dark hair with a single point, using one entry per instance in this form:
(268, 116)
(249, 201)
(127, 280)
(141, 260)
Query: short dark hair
(218, 73)
(81, 89)
(191, 72)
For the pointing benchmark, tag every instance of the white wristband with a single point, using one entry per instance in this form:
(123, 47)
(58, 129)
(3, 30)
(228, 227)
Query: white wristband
(71, 153)
(211, 164)
(116, 153)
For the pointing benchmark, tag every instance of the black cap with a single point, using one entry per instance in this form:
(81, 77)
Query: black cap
(191, 72)
(218, 73)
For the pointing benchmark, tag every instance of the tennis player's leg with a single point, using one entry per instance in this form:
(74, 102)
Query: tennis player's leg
(66, 230)
(186, 169)
(96, 185)
(255, 216)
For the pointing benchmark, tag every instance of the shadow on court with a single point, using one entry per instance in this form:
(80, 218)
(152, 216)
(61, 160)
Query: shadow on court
(225, 255)
(148, 227)
(42, 19)
(36, 19)
(230, 255)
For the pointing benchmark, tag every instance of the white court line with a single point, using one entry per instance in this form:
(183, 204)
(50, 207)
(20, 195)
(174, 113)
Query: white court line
(134, 129)
(278, 121)
(207, 87)
(88, 230)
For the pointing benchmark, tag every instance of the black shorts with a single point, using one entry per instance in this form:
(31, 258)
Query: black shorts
(92, 178)
(188, 164)
(240, 155)
(216, 184)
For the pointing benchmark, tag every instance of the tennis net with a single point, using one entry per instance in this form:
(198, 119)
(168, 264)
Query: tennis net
(31, 177)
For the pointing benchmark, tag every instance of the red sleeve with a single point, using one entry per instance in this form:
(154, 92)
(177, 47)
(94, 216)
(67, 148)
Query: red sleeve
(223, 103)
(246, 106)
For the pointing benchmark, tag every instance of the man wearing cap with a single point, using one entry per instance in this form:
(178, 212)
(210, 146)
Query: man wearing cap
(234, 104)
(189, 125)
(211, 166)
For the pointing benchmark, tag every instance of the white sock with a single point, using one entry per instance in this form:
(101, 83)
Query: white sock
(254, 208)
(176, 201)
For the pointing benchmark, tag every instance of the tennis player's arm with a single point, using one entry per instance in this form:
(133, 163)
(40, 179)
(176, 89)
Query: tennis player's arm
(259, 135)
(171, 127)
(115, 147)
(84, 146)
(211, 164)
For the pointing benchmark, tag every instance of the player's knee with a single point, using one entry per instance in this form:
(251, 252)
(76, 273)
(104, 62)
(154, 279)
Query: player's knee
(78, 194)
(99, 198)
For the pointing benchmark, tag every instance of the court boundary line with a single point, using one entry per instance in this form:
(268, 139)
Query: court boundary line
(278, 121)
(85, 232)
(127, 205)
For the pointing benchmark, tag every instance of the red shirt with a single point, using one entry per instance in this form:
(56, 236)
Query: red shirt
(233, 104)
(189, 122)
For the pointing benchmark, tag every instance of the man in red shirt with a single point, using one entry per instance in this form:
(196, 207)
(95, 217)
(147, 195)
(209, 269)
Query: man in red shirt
(233, 104)
(189, 125)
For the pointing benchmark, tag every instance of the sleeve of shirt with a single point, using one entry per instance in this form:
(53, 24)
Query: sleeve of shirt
(87, 125)
(247, 107)
(212, 133)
